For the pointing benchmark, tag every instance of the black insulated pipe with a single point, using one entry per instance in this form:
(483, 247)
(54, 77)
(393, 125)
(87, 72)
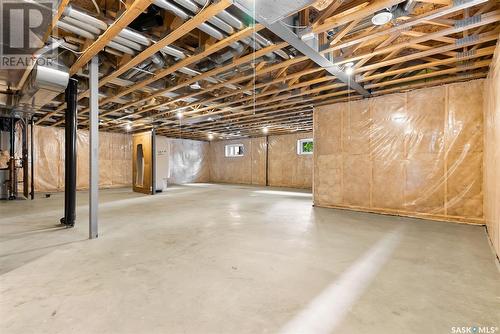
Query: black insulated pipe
(70, 154)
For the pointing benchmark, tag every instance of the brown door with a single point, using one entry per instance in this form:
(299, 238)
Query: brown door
(142, 159)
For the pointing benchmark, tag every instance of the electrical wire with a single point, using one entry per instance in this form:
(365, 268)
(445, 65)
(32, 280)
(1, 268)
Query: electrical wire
(96, 7)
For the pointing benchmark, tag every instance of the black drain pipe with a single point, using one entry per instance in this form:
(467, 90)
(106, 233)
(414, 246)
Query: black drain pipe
(12, 161)
(70, 154)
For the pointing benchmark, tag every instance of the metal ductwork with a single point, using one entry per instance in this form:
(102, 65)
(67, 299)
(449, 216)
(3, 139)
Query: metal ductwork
(44, 84)
(84, 17)
(223, 21)
(128, 41)
(177, 11)
(206, 118)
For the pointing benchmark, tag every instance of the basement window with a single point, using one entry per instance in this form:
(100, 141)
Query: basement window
(305, 146)
(234, 150)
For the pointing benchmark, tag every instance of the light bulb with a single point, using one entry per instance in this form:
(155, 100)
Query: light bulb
(349, 68)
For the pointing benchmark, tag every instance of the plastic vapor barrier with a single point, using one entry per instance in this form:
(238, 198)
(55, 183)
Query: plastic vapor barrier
(188, 161)
(240, 169)
(258, 166)
(115, 165)
(417, 154)
(492, 152)
(286, 168)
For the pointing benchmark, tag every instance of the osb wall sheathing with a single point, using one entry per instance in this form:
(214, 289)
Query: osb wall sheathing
(115, 153)
(188, 161)
(492, 152)
(414, 154)
(286, 167)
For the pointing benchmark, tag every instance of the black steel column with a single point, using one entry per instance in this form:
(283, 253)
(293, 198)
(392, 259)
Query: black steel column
(12, 161)
(25, 158)
(32, 141)
(70, 154)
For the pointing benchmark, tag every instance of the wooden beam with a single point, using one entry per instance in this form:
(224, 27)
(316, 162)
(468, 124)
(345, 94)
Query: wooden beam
(405, 25)
(328, 12)
(187, 26)
(130, 14)
(337, 37)
(374, 6)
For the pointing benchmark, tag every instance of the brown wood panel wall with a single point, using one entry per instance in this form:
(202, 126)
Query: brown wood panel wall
(144, 139)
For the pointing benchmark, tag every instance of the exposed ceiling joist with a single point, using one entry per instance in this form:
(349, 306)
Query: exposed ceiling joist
(292, 39)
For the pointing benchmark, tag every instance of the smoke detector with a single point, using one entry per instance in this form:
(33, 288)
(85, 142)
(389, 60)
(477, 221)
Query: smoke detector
(382, 18)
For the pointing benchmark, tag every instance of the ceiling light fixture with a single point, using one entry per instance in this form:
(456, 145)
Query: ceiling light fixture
(128, 126)
(195, 85)
(349, 68)
(265, 130)
(210, 136)
(179, 115)
(382, 18)
(307, 36)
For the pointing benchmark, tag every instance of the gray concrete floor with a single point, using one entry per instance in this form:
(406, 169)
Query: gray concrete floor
(238, 259)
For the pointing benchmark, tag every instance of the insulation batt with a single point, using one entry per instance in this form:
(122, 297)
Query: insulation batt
(416, 154)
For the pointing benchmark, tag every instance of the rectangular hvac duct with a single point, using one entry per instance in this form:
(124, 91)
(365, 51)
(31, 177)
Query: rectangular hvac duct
(273, 10)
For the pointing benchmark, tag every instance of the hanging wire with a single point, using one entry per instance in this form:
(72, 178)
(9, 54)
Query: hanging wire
(96, 7)
(254, 60)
